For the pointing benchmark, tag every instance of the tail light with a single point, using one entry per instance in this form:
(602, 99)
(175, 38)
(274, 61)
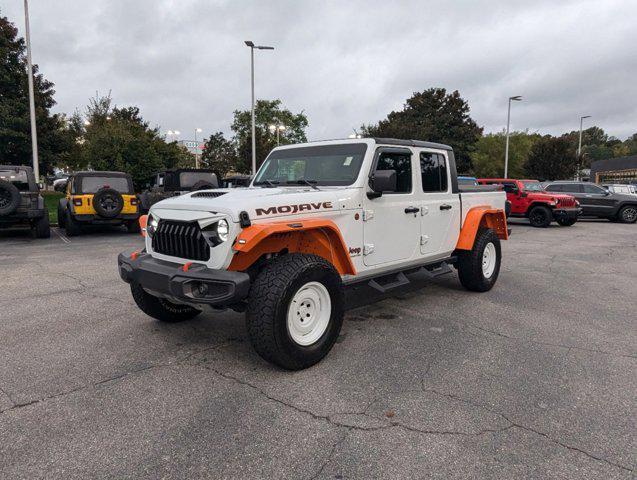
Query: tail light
(77, 202)
(134, 201)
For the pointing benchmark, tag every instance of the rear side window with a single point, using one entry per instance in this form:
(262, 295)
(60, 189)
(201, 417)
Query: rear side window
(93, 184)
(433, 168)
(18, 178)
(401, 162)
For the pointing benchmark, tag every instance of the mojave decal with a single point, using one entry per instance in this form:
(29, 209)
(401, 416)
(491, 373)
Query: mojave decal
(291, 209)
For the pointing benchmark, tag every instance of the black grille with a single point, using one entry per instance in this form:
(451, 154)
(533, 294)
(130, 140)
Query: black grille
(208, 194)
(181, 239)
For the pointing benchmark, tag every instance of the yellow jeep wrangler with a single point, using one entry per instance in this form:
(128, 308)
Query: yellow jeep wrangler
(99, 198)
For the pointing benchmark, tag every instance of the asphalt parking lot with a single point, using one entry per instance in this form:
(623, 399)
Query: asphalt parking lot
(535, 379)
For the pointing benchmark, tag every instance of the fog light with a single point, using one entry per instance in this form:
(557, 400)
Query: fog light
(202, 289)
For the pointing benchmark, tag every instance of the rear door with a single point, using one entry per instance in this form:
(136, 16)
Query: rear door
(391, 229)
(439, 208)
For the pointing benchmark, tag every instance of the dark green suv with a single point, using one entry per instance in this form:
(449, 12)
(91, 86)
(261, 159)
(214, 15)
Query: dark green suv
(20, 201)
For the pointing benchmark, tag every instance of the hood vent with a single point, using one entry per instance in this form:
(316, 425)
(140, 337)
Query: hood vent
(208, 194)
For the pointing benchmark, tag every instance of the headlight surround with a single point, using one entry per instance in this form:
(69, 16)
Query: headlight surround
(223, 230)
(151, 225)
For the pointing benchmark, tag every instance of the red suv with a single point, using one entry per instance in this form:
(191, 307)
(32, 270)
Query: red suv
(529, 200)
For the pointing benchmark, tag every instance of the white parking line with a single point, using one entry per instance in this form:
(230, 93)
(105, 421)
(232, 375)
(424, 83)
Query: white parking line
(62, 237)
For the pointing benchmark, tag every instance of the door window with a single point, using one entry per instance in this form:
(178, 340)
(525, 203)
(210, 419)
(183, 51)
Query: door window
(433, 169)
(401, 163)
(592, 189)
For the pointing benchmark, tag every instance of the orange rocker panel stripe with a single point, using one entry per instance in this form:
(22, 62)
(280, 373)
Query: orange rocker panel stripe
(482, 216)
(316, 236)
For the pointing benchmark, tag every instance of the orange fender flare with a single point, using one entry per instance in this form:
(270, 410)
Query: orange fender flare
(143, 221)
(482, 216)
(316, 236)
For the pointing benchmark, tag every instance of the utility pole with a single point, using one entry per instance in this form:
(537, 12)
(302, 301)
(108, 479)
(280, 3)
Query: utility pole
(34, 132)
(517, 98)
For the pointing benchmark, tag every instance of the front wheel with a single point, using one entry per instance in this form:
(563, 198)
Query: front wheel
(540, 216)
(160, 308)
(566, 222)
(479, 267)
(295, 310)
(628, 214)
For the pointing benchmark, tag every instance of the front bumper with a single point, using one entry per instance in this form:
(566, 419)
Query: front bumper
(223, 287)
(571, 213)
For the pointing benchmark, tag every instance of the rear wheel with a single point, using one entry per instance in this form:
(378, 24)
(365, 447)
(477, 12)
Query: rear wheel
(160, 308)
(71, 225)
(566, 222)
(132, 226)
(295, 310)
(628, 214)
(479, 267)
(540, 216)
(41, 227)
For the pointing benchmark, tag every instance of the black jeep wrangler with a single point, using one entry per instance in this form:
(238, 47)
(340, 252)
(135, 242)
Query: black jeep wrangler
(20, 201)
(175, 182)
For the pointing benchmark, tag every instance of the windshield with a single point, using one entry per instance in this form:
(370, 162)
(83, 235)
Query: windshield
(93, 184)
(336, 165)
(189, 179)
(533, 186)
(18, 178)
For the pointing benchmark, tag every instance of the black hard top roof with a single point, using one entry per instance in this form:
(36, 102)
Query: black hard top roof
(411, 143)
(100, 174)
(179, 170)
(14, 167)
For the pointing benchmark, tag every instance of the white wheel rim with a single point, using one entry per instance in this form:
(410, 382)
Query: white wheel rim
(309, 313)
(488, 260)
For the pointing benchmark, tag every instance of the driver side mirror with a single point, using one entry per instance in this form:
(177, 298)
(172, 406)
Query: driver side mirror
(382, 181)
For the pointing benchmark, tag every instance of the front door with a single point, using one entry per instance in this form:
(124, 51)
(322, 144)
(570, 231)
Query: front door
(440, 208)
(391, 230)
(597, 201)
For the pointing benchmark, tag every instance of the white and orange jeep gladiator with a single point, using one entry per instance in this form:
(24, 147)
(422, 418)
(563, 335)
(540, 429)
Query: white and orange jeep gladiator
(317, 218)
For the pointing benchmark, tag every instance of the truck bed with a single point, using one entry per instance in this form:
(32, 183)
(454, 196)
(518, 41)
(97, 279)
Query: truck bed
(479, 196)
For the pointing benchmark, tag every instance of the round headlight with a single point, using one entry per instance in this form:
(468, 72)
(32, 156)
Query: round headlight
(223, 229)
(151, 226)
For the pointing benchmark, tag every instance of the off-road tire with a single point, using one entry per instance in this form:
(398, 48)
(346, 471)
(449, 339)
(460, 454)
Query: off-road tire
(628, 214)
(566, 222)
(9, 198)
(132, 226)
(160, 308)
(540, 216)
(470, 268)
(269, 301)
(72, 227)
(41, 227)
(115, 196)
(61, 216)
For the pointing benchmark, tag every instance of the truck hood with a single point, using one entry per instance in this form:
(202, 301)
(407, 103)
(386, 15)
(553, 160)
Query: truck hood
(548, 196)
(260, 203)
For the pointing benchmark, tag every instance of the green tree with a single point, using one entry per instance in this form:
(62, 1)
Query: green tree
(267, 112)
(435, 116)
(119, 139)
(15, 128)
(488, 155)
(219, 155)
(551, 158)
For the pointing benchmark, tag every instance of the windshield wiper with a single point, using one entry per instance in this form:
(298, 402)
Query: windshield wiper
(311, 183)
(267, 183)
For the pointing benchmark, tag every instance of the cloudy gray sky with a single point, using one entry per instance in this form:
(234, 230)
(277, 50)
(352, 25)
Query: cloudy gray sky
(183, 62)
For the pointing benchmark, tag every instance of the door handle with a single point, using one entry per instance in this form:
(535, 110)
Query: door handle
(412, 210)
(445, 206)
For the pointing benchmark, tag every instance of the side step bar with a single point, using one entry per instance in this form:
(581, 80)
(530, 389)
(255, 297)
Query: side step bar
(390, 281)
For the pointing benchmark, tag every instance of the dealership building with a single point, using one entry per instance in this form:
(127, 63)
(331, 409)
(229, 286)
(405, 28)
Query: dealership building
(615, 170)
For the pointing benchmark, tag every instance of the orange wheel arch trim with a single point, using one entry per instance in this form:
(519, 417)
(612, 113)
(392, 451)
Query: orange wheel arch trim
(316, 236)
(482, 216)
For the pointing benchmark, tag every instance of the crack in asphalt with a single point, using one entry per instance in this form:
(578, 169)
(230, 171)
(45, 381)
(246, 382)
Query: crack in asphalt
(328, 459)
(513, 424)
(113, 378)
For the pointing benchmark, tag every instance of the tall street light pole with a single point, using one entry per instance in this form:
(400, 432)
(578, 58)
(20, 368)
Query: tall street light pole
(197, 130)
(254, 140)
(579, 145)
(34, 133)
(517, 98)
